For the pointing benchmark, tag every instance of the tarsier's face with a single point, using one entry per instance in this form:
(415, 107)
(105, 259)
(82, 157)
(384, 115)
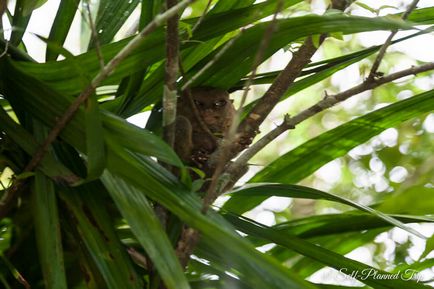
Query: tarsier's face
(210, 100)
(210, 104)
(213, 105)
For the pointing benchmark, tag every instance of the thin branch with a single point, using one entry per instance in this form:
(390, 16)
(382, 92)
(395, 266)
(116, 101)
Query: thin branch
(280, 85)
(94, 35)
(193, 106)
(170, 93)
(212, 61)
(190, 237)
(227, 143)
(271, 28)
(249, 127)
(187, 242)
(88, 91)
(102, 75)
(171, 75)
(374, 70)
(328, 101)
(202, 17)
(137, 257)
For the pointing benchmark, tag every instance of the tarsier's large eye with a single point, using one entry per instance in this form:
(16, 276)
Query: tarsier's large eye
(198, 103)
(220, 103)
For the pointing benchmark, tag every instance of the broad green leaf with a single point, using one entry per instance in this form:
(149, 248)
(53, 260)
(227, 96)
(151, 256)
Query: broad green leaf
(30, 5)
(154, 183)
(6, 229)
(61, 25)
(422, 15)
(217, 24)
(52, 105)
(325, 256)
(429, 247)
(86, 208)
(95, 146)
(25, 140)
(228, 5)
(157, 184)
(245, 47)
(64, 78)
(323, 225)
(15, 53)
(149, 9)
(147, 228)
(138, 140)
(111, 16)
(47, 229)
(242, 52)
(420, 198)
(294, 191)
(299, 163)
(20, 20)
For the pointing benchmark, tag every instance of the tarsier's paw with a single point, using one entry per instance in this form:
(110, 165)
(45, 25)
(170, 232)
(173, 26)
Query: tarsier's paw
(245, 141)
(200, 157)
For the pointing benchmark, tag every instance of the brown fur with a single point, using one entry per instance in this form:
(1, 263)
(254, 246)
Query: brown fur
(192, 142)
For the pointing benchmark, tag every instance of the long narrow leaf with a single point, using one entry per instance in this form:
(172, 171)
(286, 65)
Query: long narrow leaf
(47, 227)
(152, 181)
(111, 16)
(299, 163)
(294, 191)
(146, 227)
(52, 105)
(95, 146)
(62, 23)
(96, 232)
(327, 257)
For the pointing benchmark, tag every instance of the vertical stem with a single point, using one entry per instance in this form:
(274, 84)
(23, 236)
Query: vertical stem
(171, 74)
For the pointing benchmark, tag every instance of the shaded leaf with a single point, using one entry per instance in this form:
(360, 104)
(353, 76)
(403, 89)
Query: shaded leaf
(299, 163)
(47, 227)
(295, 191)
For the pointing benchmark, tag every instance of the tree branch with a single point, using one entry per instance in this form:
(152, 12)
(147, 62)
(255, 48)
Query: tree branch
(102, 75)
(200, 20)
(374, 69)
(89, 90)
(189, 236)
(222, 156)
(94, 35)
(327, 102)
(249, 127)
(216, 57)
(171, 74)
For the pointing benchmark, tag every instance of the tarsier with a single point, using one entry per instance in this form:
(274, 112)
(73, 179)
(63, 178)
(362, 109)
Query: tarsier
(204, 115)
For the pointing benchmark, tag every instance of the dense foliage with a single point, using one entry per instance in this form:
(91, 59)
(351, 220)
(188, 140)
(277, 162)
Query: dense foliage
(106, 204)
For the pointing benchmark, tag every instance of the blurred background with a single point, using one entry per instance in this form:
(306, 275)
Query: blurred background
(400, 160)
